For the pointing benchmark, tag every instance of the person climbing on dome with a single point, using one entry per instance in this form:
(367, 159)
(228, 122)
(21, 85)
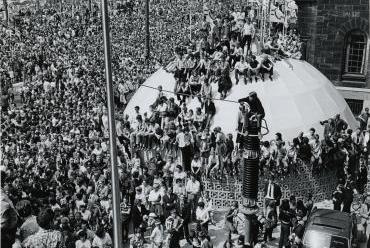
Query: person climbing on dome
(256, 109)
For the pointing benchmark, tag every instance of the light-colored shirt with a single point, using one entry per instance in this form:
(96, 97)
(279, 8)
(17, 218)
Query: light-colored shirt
(202, 214)
(157, 235)
(241, 66)
(28, 228)
(248, 29)
(8, 213)
(184, 140)
(270, 191)
(193, 187)
(154, 196)
(102, 242)
(83, 244)
(44, 238)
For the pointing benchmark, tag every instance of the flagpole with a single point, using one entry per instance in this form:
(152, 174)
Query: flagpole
(285, 19)
(117, 224)
(147, 32)
(190, 17)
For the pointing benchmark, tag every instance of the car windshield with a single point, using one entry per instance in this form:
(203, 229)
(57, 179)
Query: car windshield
(315, 239)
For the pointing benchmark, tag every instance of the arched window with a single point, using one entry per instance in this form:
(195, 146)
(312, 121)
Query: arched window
(355, 52)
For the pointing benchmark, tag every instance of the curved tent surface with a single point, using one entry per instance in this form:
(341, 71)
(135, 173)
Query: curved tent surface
(296, 100)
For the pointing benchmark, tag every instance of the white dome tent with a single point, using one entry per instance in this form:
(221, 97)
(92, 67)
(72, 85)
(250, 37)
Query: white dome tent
(296, 100)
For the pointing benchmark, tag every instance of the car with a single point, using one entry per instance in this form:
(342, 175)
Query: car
(328, 228)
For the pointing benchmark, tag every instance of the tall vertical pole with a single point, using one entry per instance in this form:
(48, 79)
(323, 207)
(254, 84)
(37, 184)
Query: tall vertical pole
(262, 17)
(285, 19)
(190, 17)
(368, 56)
(37, 5)
(269, 18)
(117, 224)
(147, 35)
(6, 12)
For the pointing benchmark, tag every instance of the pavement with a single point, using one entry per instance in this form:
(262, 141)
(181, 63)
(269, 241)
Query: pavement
(219, 235)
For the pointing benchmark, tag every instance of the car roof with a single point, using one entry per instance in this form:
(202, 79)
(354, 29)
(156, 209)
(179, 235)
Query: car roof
(330, 221)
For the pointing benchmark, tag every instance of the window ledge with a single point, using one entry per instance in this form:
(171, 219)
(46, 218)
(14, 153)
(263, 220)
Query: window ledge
(354, 80)
(353, 77)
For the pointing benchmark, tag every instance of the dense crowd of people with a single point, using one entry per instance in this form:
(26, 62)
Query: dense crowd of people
(54, 153)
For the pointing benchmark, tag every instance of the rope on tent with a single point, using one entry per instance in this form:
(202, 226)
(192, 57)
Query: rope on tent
(192, 95)
(263, 121)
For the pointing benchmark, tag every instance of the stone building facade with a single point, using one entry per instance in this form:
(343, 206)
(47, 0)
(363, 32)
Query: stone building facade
(336, 35)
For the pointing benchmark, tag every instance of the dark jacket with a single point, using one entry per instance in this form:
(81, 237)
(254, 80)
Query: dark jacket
(186, 213)
(137, 215)
(255, 106)
(171, 200)
(340, 125)
(209, 108)
(298, 141)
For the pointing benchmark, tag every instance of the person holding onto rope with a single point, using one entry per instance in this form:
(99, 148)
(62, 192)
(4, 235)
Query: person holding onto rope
(256, 112)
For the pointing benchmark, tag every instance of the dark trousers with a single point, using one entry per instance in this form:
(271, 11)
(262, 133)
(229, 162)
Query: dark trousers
(186, 158)
(337, 205)
(362, 125)
(268, 234)
(263, 71)
(347, 206)
(125, 229)
(125, 142)
(284, 235)
(186, 230)
(243, 73)
(247, 40)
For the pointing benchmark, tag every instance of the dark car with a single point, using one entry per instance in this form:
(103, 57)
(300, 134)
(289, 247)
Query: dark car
(330, 229)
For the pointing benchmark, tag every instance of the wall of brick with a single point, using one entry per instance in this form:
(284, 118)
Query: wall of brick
(327, 22)
(307, 26)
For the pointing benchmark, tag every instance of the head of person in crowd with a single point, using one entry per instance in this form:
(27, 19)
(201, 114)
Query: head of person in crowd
(24, 208)
(45, 218)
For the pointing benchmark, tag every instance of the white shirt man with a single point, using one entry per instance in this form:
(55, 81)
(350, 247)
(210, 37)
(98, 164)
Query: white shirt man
(270, 191)
(241, 66)
(184, 139)
(133, 120)
(193, 186)
(202, 214)
(154, 196)
(248, 29)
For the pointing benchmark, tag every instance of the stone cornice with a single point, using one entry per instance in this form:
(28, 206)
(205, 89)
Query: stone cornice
(306, 1)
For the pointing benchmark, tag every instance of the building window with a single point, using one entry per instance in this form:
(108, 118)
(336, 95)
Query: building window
(355, 53)
(355, 105)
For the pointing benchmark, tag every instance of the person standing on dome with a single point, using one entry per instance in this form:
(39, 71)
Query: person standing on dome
(225, 83)
(256, 108)
(248, 33)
